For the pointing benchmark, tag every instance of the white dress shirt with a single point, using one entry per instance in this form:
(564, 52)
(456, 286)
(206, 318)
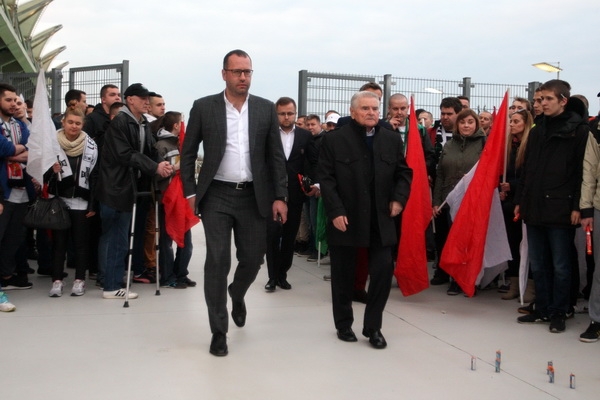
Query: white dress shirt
(287, 140)
(235, 165)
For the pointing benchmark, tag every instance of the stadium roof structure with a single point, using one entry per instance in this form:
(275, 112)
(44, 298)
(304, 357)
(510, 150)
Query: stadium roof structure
(20, 49)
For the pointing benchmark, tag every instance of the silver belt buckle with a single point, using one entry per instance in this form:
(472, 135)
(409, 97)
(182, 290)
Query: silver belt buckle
(240, 185)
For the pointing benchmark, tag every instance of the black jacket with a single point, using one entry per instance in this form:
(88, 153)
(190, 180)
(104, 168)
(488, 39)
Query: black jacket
(550, 184)
(68, 188)
(360, 184)
(122, 163)
(96, 124)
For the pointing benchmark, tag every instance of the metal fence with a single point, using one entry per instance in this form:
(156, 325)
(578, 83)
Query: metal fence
(321, 92)
(25, 84)
(89, 79)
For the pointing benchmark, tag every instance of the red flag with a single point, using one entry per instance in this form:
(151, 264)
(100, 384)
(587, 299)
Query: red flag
(462, 256)
(411, 265)
(179, 217)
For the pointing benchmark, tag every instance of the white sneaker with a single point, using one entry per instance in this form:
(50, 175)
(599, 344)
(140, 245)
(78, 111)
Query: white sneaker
(5, 305)
(118, 294)
(57, 289)
(78, 288)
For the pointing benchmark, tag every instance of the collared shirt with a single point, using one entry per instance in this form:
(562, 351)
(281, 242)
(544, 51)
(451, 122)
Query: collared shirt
(235, 165)
(287, 140)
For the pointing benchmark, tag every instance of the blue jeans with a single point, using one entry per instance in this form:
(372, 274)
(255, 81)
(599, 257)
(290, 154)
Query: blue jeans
(113, 246)
(550, 256)
(173, 267)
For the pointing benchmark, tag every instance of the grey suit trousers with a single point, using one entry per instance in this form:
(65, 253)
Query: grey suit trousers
(224, 209)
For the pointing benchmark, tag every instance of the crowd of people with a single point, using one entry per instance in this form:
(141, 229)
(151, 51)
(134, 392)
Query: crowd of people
(269, 176)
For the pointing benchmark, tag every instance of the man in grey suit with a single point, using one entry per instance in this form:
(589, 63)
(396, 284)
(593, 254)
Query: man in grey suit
(242, 182)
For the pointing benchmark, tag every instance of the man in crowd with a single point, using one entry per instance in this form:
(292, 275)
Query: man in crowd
(242, 182)
(464, 100)
(16, 189)
(97, 122)
(547, 199)
(127, 167)
(72, 97)
(361, 199)
(485, 121)
(299, 150)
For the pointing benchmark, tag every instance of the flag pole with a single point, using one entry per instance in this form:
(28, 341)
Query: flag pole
(506, 139)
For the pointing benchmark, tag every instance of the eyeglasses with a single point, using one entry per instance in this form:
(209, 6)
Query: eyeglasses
(238, 72)
(286, 114)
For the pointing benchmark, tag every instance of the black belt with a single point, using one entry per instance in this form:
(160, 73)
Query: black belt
(235, 185)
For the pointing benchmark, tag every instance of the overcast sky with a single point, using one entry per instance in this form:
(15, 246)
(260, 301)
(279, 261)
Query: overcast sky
(176, 47)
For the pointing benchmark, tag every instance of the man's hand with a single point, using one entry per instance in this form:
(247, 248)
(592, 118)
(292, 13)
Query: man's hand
(395, 208)
(313, 190)
(587, 222)
(192, 203)
(575, 217)
(19, 148)
(394, 122)
(436, 211)
(280, 211)
(164, 169)
(20, 158)
(340, 223)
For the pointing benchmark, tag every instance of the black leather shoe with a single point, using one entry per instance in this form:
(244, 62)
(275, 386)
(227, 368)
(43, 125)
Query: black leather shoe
(238, 310)
(271, 285)
(284, 284)
(218, 345)
(375, 338)
(346, 334)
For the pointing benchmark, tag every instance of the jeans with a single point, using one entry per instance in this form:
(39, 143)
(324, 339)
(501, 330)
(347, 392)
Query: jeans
(550, 256)
(173, 267)
(12, 236)
(113, 246)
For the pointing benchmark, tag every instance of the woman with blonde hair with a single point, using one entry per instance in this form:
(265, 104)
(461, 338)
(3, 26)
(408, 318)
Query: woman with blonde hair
(73, 178)
(520, 124)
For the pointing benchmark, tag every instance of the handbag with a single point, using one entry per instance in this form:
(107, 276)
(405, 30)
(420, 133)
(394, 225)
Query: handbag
(50, 213)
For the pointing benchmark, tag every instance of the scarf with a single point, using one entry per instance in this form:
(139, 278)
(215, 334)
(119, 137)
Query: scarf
(74, 148)
(88, 154)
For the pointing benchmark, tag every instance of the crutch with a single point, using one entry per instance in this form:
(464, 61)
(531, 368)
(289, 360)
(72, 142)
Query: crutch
(130, 251)
(156, 238)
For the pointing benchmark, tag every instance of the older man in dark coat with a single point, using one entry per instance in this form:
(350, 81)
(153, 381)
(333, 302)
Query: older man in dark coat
(365, 183)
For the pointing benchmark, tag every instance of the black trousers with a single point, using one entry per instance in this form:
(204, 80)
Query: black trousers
(79, 233)
(343, 266)
(281, 239)
(225, 209)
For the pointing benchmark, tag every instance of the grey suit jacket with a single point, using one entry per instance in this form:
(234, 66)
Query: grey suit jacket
(208, 125)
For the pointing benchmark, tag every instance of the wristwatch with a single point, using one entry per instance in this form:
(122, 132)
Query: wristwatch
(284, 199)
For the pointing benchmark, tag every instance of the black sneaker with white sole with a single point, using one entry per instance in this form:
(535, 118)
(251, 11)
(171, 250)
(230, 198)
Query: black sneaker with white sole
(534, 318)
(591, 334)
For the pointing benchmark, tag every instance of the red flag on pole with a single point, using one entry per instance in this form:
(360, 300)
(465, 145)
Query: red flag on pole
(462, 256)
(411, 265)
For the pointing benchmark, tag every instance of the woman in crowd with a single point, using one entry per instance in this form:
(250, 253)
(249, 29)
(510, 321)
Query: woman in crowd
(73, 179)
(519, 125)
(458, 156)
